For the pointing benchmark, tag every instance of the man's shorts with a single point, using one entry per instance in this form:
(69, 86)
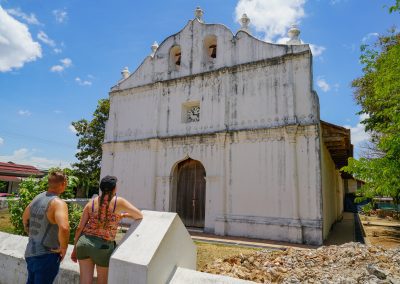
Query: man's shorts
(95, 248)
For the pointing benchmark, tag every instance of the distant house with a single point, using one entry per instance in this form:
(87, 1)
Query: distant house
(13, 174)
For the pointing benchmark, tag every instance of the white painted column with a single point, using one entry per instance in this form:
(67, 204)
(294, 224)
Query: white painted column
(213, 201)
(292, 172)
(162, 189)
(223, 142)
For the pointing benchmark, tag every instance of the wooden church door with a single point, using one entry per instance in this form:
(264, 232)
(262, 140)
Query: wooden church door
(191, 191)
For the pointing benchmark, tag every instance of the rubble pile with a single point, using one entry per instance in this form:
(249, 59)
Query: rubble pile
(348, 263)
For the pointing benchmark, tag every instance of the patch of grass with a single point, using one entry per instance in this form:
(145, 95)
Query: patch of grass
(208, 252)
(5, 224)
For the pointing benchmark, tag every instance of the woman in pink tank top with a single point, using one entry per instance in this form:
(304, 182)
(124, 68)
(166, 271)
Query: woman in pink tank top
(95, 235)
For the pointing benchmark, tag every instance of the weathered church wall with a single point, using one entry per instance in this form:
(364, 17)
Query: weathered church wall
(232, 50)
(258, 96)
(332, 191)
(260, 183)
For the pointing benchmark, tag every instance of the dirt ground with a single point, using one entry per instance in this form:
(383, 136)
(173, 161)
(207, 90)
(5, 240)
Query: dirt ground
(381, 231)
(5, 224)
(208, 253)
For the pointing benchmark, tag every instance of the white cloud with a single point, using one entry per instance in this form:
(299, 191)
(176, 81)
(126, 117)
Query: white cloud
(334, 2)
(60, 15)
(30, 19)
(24, 112)
(16, 44)
(65, 63)
(272, 17)
(1, 141)
(57, 50)
(57, 111)
(358, 134)
(72, 129)
(42, 36)
(83, 82)
(282, 40)
(369, 36)
(28, 157)
(323, 85)
(57, 68)
(317, 50)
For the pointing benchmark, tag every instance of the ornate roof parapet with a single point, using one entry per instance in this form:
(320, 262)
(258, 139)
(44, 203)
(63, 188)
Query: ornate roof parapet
(154, 48)
(244, 22)
(198, 13)
(125, 73)
(293, 34)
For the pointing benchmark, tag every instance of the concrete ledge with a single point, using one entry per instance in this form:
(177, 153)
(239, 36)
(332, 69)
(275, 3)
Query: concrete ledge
(151, 252)
(277, 229)
(13, 265)
(187, 276)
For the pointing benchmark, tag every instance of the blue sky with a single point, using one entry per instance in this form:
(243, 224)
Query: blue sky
(58, 58)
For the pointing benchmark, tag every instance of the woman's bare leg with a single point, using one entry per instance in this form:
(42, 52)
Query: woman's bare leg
(102, 274)
(86, 268)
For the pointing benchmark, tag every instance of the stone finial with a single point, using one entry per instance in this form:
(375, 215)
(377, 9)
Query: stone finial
(154, 48)
(244, 22)
(125, 73)
(293, 34)
(198, 13)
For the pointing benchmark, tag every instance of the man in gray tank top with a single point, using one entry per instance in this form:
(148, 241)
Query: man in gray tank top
(46, 223)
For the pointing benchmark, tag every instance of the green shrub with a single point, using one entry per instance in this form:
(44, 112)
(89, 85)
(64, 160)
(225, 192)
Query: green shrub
(31, 187)
(367, 208)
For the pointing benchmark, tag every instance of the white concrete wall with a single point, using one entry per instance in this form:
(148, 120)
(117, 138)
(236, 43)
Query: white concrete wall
(261, 183)
(159, 250)
(187, 276)
(262, 95)
(332, 191)
(153, 250)
(13, 265)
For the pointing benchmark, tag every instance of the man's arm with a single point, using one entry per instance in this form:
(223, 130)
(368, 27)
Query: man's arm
(25, 218)
(61, 219)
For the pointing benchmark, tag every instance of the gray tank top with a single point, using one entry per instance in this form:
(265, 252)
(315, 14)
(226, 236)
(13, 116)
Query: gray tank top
(43, 236)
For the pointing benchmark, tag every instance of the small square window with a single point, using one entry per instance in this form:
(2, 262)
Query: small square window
(191, 112)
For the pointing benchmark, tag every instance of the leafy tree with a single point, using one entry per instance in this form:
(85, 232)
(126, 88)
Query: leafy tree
(31, 187)
(91, 136)
(395, 7)
(378, 94)
(3, 186)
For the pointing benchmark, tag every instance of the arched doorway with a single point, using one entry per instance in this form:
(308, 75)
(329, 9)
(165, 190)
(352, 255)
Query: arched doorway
(190, 192)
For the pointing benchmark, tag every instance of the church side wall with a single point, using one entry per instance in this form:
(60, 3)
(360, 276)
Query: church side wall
(332, 191)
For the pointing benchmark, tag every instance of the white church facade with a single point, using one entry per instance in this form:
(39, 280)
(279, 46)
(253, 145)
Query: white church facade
(224, 129)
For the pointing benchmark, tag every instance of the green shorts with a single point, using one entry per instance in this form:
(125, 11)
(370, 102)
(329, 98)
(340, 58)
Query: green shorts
(95, 248)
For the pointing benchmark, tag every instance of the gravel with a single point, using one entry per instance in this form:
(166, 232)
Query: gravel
(348, 263)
